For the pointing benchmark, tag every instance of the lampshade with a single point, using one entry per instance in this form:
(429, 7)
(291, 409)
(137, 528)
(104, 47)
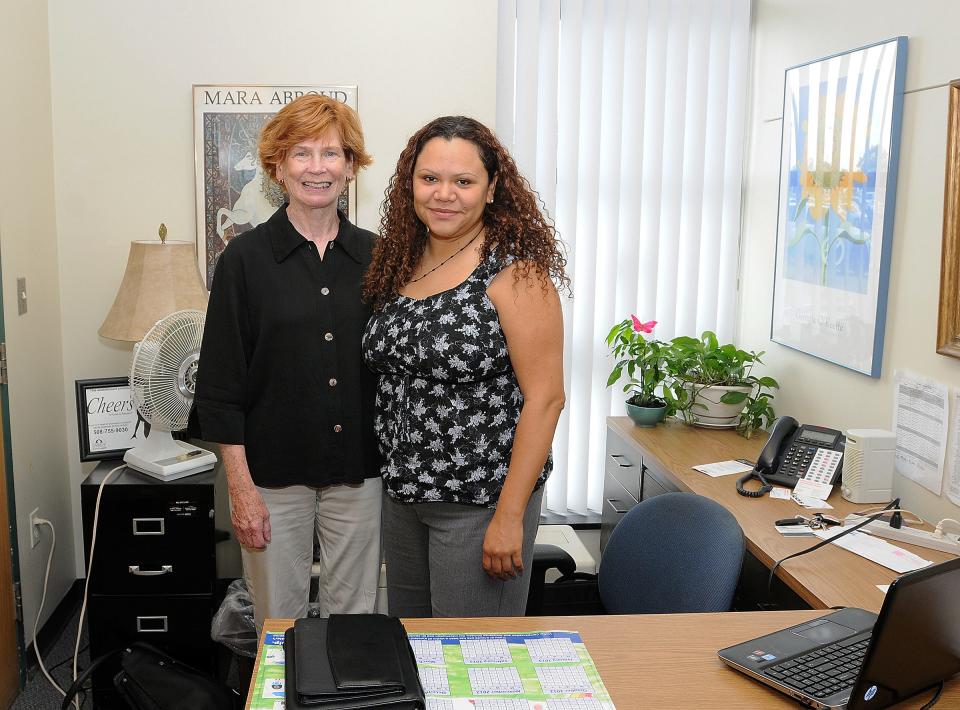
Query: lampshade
(161, 277)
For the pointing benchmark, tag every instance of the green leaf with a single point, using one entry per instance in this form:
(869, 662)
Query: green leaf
(768, 382)
(733, 397)
(854, 235)
(614, 376)
(801, 206)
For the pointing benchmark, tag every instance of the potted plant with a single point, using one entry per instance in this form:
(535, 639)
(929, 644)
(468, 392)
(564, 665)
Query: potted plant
(643, 361)
(712, 384)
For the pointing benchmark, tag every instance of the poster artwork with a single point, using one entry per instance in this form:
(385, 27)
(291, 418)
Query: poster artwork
(234, 194)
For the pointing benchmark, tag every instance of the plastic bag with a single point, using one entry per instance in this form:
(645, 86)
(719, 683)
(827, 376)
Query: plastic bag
(233, 624)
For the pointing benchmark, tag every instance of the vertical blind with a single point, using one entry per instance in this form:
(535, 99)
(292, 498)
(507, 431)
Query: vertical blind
(628, 117)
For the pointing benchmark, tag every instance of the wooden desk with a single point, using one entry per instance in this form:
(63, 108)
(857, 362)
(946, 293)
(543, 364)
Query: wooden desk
(829, 577)
(657, 660)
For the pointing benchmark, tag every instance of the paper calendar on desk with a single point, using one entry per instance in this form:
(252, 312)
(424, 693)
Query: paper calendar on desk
(551, 670)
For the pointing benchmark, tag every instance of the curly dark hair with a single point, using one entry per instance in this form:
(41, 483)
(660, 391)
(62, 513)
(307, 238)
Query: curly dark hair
(515, 225)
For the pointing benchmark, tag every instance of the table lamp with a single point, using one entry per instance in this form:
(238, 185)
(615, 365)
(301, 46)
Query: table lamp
(161, 277)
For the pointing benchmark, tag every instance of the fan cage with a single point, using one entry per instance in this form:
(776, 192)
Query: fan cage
(159, 382)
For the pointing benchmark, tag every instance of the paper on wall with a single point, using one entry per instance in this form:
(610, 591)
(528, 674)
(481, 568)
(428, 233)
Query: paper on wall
(953, 466)
(920, 423)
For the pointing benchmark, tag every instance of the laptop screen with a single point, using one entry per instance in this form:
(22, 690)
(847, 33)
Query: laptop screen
(916, 640)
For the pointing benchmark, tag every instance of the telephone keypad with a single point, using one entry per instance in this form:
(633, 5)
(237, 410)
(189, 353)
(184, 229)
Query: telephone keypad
(797, 460)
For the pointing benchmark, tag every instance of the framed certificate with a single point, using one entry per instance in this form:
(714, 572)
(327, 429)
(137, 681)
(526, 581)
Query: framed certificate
(107, 420)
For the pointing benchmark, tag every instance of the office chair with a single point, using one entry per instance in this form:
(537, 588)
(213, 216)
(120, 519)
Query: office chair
(676, 552)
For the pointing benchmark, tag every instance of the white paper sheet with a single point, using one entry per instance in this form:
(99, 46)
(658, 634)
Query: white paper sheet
(723, 468)
(875, 549)
(920, 423)
(953, 466)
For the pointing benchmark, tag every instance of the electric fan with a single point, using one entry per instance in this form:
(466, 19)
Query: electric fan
(163, 379)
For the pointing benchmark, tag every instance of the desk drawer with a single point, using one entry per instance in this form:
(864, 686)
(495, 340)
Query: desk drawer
(177, 624)
(655, 483)
(617, 501)
(149, 543)
(624, 463)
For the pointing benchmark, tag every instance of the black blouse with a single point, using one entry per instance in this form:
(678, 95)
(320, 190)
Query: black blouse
(448, 400)
(281, 369)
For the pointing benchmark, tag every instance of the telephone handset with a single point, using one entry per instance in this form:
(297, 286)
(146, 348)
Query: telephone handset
(795, 451)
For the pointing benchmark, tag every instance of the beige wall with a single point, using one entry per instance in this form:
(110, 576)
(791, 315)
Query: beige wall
(28, 248)
(788, 33)
(121, 76)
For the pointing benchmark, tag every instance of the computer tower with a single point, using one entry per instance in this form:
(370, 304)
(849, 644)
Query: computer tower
(868, 466)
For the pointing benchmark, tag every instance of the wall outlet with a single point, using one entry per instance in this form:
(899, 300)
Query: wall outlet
(34, 527)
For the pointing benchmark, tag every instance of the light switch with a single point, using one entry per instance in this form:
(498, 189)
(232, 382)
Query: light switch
(21, 295)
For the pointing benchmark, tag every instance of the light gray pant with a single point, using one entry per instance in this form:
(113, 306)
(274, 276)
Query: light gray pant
(346, 518)
(434, 554)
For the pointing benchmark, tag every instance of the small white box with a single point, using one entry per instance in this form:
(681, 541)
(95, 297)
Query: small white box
(868, 466)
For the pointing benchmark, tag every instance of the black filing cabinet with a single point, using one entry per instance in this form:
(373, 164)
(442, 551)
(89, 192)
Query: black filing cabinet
(154, 567)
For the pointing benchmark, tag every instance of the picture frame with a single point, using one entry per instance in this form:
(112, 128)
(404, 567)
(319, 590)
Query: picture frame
(233, 194)
(838, 174)
(948, 314)
(107, 421)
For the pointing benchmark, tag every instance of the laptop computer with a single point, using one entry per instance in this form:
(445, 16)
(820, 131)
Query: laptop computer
(855, 659)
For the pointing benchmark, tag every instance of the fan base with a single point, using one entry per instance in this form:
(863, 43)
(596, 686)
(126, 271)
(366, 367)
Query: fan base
(192, 460)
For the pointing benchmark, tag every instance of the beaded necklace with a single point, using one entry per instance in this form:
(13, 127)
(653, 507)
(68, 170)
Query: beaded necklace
(472, 240)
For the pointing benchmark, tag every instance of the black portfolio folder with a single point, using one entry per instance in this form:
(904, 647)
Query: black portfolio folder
(350, 661)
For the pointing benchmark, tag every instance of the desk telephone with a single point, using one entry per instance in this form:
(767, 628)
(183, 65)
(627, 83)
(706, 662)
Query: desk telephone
(796, 451)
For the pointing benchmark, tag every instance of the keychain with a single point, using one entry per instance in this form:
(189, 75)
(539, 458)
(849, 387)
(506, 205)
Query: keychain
(819, 521)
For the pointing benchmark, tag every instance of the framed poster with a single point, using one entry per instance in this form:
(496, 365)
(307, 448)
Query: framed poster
(107, 420)
(233, 193)
(948, 314)
(838, 176)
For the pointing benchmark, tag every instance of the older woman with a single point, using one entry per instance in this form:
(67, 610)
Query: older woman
(284, 389)
(467, 337)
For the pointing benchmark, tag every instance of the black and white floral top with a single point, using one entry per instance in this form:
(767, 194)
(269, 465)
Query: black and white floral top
(447, 400)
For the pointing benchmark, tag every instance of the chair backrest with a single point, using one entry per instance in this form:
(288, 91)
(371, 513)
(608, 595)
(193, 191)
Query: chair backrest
(676, 552)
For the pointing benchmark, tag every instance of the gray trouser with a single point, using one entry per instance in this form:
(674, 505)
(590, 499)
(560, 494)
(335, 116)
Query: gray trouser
(434, 554)
(346, 518)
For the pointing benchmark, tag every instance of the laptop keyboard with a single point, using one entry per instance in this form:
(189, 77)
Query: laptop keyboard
(821, 673)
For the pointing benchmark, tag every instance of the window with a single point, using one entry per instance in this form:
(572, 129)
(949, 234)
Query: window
(628, 117)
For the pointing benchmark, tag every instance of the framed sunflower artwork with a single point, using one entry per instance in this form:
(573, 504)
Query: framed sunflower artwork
(838, 176)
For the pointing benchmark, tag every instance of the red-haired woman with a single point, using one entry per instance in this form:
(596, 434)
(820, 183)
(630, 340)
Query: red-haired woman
(283, 387)
(467, 337)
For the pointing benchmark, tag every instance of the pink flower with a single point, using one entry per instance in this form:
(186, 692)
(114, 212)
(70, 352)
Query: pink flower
(643, 327)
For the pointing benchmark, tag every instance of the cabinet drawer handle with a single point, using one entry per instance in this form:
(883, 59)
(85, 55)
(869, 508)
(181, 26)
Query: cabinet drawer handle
(613, 504)
(148, 526)
(617, 457)
(164, 569)
(151, 624)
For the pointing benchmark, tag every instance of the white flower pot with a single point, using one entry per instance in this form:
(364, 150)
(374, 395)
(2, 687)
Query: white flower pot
(708, 410)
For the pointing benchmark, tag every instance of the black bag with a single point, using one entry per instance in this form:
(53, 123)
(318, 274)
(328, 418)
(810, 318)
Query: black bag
(149, 679)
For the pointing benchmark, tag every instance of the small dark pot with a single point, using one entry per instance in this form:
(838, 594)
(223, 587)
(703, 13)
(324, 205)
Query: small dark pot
(646, 416)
